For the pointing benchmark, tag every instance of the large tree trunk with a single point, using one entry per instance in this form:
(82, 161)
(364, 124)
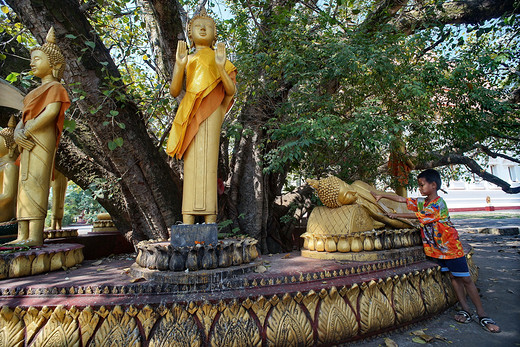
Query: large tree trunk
(145, 186)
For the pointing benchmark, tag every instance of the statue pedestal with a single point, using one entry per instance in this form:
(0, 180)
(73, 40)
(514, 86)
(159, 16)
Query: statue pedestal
(189, 235)
(19, 263)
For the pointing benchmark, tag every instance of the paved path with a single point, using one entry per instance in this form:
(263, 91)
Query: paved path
(498, 259)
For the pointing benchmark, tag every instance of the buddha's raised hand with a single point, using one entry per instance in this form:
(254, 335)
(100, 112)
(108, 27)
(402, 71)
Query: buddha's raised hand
(181, 57)
(220, 55)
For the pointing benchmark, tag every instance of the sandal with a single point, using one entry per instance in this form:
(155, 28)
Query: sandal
(466, 315)
(484, 321)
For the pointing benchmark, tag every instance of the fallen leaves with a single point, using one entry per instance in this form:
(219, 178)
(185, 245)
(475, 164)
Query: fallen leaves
(260, 269)
(422, 338)
(139, 279)
(390, 343)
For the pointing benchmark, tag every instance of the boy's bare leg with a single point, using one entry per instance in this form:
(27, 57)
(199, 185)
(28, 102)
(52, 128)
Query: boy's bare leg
(463, 285)
(458, 286)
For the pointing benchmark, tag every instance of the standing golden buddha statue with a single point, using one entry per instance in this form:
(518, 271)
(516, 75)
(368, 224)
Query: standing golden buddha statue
(37, 135)
(195, 134)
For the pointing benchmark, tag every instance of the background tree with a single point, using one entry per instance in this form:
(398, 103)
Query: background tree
(323, 88)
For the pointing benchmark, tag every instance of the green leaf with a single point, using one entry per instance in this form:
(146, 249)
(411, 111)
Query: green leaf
(69, 125)
(2, 56)
(112, 145)
(90, 44)
(70, 36)
(122, 125)
(114, 113)
(105, 123)
(5, 9)
(12, 77)
(118, 141)
(419, 340)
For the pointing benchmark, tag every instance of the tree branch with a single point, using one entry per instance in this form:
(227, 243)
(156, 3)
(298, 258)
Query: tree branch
(492, 154)
(455, 12)
(472, 166)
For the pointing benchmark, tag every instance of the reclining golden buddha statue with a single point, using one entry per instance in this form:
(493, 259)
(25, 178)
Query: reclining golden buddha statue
(350, 210)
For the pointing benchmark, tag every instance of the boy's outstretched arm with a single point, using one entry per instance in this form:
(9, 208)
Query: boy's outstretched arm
(379, 196)
(402, 215)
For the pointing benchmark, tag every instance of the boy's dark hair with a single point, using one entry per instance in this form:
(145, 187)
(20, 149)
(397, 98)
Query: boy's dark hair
(431, 175)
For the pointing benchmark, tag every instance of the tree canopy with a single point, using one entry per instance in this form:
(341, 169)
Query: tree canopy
(323, 88)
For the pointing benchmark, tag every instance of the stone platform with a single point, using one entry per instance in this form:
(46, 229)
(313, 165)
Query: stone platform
(289, 300)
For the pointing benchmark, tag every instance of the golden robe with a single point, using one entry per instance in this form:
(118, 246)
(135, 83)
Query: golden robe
(36, 165)
(195, 133)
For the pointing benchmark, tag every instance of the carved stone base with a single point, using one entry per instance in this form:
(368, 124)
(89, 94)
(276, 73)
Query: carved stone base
(295, 301)
(39, 260)
(163, 256)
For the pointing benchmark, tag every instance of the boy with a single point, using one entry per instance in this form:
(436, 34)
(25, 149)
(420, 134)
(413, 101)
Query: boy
(441, 241)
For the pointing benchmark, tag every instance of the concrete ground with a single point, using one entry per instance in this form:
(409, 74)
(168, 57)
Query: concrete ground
(498, 259)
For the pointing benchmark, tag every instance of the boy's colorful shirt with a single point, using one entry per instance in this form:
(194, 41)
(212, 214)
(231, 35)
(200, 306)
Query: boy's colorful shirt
(440, 238)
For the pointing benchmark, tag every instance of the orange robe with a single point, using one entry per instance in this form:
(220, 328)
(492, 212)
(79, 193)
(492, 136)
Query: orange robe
(36, 165)
(204, 94)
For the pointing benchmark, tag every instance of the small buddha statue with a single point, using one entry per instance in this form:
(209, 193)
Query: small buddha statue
(37, 135)
(8, 172)
(195, 134)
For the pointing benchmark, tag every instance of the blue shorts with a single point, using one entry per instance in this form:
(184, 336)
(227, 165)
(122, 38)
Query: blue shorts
(458, 266)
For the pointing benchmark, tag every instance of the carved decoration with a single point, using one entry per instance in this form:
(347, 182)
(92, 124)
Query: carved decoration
(451, 297)
(206, 314)
(88, 321)
(311, 302)
(179, 326)
(34, 319)
(11, 328)
(432, 291)
(236, 328)
(60, 330)
(374, 308)
(261, 307)
(147, 317)
(118, 328)
(336, 320)
(288, 325)
(408, 303)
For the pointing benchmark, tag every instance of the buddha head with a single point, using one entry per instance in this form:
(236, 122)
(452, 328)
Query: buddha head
(333, 192)
(202, 29)
(48, 56)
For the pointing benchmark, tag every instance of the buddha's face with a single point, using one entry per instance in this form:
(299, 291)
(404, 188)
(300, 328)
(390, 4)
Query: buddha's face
(40, 65)
(203, 31)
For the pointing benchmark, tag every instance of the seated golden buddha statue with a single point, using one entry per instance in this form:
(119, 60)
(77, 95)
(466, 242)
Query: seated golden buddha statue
(195, 134)
(37, 135)
(350, 208)
(8, 172)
